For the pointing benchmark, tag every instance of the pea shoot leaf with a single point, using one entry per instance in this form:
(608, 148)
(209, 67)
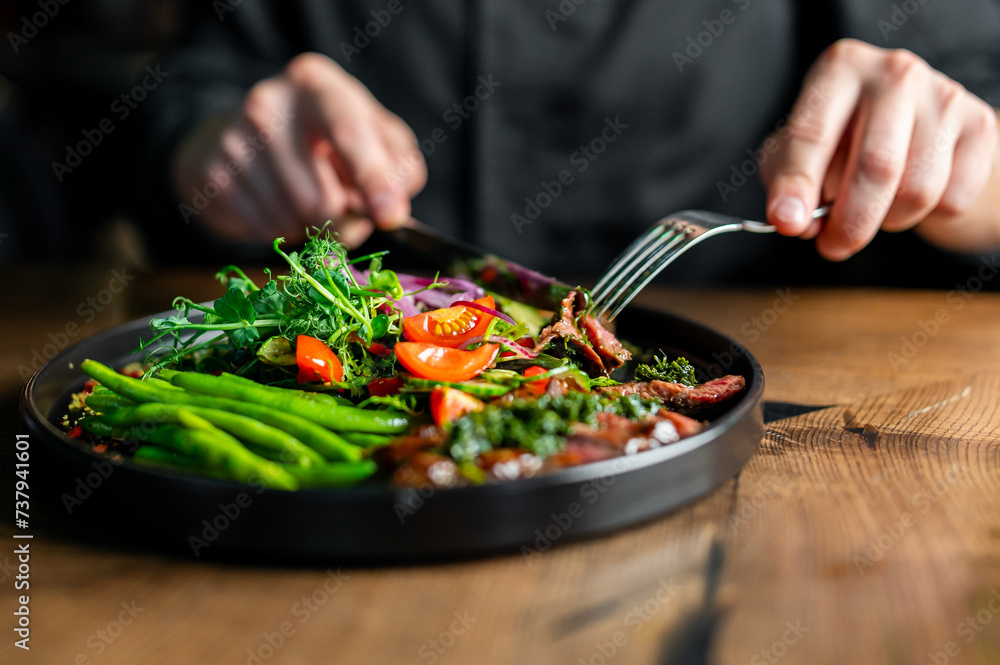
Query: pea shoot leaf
(267, 300)
(234, 307)
(242, 337)
(169, 323)
(380, 326)
(340, 282)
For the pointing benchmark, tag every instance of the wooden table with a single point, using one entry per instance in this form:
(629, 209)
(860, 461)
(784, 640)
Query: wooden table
(868, 532)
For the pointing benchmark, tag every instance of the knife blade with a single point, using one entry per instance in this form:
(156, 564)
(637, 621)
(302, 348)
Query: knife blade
(497, 274)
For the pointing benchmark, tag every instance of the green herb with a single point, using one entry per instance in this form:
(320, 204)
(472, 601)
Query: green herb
(539, 426)
(675, 371)
(250, 330)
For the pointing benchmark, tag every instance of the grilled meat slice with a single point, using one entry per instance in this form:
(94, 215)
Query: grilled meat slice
(597, 345)
(565, 328)
(414, 460)
(678, 397)
(616, 436)
(611, 351)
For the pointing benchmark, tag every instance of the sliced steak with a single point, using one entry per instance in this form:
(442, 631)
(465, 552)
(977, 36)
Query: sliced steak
(579, 450)
(611, 351)
(684, 425)
(565, 328)
(681, 398)
(617, 436)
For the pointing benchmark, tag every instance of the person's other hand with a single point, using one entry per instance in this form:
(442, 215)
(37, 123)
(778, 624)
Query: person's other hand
(884, 136)
(310, 144)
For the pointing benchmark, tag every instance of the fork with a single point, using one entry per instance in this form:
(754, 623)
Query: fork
(657, 248)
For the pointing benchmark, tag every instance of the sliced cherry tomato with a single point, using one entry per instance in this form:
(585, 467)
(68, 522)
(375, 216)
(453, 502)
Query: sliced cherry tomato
(449, 326)
(376, 349)
(538, 386)
(383, 387)
(440, 363)
(316, 361)
(379, 349)
(447, 404)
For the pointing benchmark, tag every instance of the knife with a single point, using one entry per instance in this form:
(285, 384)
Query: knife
(497, 274)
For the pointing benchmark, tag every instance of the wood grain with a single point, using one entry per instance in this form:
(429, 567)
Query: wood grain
(880, 545)
(814, 532)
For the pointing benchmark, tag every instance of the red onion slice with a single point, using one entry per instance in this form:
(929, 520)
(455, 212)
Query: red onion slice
(485, 310)
(500, 339)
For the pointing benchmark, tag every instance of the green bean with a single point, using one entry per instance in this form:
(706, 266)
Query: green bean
(336, 474)
(235, 382)
(164, 456)
(367, 440)
(331, 446)
(271, 454)
(311, 395)
(333, 416)
(215, 449)
(106, 401)
(161, 383)
(161, 458)
(287, 448)
(101, 428)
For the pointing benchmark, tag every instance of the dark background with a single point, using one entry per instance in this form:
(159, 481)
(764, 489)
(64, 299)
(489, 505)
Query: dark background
(65, 79)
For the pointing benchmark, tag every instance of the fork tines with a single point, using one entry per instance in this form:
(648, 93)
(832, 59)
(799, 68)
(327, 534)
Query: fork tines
(639, 264)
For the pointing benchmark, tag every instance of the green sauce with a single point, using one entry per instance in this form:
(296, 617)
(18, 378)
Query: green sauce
(539, 426)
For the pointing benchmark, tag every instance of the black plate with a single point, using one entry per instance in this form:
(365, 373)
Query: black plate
(381, 523)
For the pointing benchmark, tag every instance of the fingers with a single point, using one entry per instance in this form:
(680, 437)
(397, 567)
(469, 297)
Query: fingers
(205, 186)
(309, 145)
(273, 214)
(835, 172)
(283, 173)
(874, 170)
(810, 140)
(974, 159)
(930, 161)
(402, 143)
(354, 230)
(892, 143)
(343, 112)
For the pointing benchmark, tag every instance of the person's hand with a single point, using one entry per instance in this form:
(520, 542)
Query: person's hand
(884, 136)
(310, 144)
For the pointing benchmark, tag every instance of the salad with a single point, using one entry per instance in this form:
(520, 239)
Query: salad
(342, 370)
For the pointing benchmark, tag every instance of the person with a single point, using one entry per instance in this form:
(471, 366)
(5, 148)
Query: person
(556, 132)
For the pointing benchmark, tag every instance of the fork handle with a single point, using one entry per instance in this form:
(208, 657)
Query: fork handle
(758, 227)
(761, 227)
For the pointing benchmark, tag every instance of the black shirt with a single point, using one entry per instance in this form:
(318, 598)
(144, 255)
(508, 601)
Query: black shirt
(555, 132)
